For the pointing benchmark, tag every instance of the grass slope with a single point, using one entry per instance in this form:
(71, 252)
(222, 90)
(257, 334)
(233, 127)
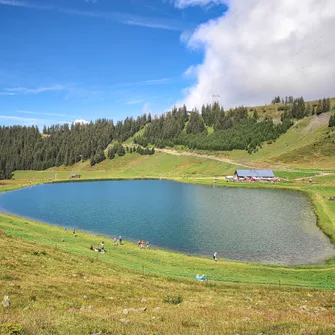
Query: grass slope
(135, 165)
(60, 287)
(295, 143)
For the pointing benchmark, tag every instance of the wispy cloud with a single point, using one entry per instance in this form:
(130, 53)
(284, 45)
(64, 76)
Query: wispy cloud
(6, 93)
(91, 1)
(123, 18)
(41, 113)
(190, 3)
(134, 101)
(15, 3)
(144, 82)
(21, 119)
(25, 90)
(30, 121)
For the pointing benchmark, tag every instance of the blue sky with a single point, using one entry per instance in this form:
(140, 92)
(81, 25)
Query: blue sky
(62, 60)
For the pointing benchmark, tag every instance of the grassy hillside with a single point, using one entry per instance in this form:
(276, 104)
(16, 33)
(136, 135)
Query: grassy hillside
(135, 165)
(308, 144)
(58, 286)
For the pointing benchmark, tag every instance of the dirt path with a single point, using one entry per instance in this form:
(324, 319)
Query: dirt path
(194, 154)
(320, 174)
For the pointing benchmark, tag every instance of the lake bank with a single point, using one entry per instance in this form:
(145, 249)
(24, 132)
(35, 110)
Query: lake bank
(165, 263)
(255, 225)
(182, 266)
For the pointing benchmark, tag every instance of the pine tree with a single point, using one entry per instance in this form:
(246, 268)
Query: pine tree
(319, 108)
(332, 121)
(327, 105)
(324, 105)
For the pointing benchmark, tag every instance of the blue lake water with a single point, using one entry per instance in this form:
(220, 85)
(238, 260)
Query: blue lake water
(256, 225)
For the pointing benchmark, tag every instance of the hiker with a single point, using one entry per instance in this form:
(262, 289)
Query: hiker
(74, 232)
(148, 245)
(120, 239)
(215, 256)
(65, 228)
(115, 241)
(142, 243)
(139, 244)
(102, 245)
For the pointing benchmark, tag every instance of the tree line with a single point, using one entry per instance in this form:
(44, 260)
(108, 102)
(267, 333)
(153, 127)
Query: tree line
(232, 129)
(25, 148)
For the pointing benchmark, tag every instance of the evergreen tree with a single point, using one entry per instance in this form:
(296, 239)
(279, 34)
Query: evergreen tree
(196, 124)
(324, 105)
(319, 108)
(327, 105)
(332, 121)
(111, 153)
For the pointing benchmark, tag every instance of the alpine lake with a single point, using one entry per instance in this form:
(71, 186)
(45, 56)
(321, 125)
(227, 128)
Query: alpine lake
(254, 225)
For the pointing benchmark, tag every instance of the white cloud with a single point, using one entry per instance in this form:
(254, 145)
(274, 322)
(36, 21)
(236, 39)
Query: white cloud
(81, 121)
(262, 48)
(189, 3)
(91, 1)
(25, 90)
(191, 71)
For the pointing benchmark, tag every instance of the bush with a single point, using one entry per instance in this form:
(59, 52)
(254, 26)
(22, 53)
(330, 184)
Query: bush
(284, 108)
(10, 329)
(174, 300)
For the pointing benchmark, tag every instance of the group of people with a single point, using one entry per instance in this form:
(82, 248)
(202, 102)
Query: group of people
(102, 249)
(102, 245)
(330, 198)
(141, 244)
(116, 240)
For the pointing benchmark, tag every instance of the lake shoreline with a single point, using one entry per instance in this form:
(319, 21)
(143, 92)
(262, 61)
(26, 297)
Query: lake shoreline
(207, 182)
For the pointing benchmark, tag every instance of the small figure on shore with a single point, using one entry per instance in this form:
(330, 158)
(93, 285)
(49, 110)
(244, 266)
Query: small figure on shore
(142, 243)
(102, 245)
(139, 244)
(215, 256)
(74, 232)
(120, 239)
(148, 245)
(97, 249)
(115, 241)
(65, 228)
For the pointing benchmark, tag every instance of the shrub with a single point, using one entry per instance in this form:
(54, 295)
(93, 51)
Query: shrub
(174, 300)
(10, 329)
